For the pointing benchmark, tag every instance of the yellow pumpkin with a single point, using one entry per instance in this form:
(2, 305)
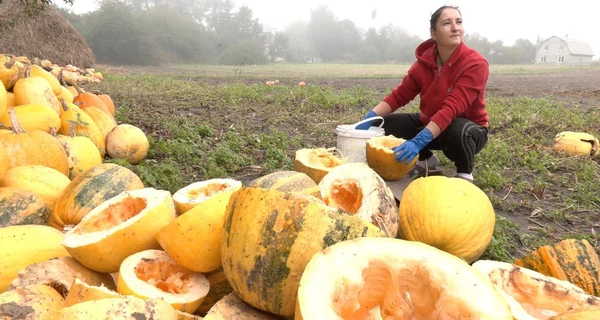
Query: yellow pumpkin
(9, 71)
(384, 278)
(200, 191)
(83, 124)
(33, 117)
(120, 227)
(532, 295)
(118, 308)
(38, 71)
(82, 291)
(382, 159)
(576, 143)
(23, 245)
(153, 274)
(46, 182)
(82, 153)
(316, 163)
(35, 90)
(128, 142)
(36, 301)
(3, 99)
(450, 214)
(194, 238)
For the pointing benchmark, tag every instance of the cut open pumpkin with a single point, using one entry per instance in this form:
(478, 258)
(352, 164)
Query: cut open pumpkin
(382, 159)
(384, 278)
(189, 196)
(153, 274)
(120, 227)
(316, 163)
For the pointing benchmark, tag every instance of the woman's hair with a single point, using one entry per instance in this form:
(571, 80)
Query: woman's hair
(436, 15)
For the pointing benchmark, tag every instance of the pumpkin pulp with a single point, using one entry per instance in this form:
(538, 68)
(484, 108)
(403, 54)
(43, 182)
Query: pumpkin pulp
(164, 275)
(346, 195)
(112, 216)
(207, 190)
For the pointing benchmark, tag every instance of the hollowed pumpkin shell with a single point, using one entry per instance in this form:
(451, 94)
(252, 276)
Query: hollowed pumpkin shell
(384, 278)
(316, 163)
(358, 190)
(198, 192)
(120, 227)
(232, 307)
(576, 143)
(36, 301)
(118, 308)
(450, 214)
(81, 291)
(193, 240)
(532, 295)
(382, 159)
(153, 274)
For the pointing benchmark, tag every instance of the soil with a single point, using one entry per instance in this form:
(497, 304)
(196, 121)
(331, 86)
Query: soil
(577, 87)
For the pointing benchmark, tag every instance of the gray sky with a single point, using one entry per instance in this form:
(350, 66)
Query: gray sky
(506, 20)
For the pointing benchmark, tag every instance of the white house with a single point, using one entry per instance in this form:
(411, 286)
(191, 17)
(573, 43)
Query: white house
(564, 51)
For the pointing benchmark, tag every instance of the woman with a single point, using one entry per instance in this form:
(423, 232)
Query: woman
(450, 79)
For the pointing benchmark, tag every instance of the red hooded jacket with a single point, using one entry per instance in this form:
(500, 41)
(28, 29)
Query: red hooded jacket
(457, 89)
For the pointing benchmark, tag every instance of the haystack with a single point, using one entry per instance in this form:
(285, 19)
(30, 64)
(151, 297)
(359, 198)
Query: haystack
(43, 34)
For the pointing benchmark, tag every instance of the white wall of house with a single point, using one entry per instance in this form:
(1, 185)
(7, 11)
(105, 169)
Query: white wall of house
(555, 51)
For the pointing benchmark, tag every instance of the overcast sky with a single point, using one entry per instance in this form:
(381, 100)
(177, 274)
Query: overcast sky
(506, 20)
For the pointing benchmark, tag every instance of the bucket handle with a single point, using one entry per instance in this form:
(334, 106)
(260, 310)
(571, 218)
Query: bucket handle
(369, 119)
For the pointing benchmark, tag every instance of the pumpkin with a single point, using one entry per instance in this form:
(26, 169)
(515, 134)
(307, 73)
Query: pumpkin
(532, 295)
(288, 181)
(385, 278)
(268, 238)
(34, 301)
(37, 71)
(60, 273)
(108, 101)
(128, 142)
(200, 191)
(317, 162)
(3, 99)
(10, 100)
(232, 307)
(193, 240)
(358, 190)
(576, 143)
(590, 313)
(21, 206)
(83, 124)
(82, 153)
(450, 214)
(103, 121)
(23, 245)
(4, 161)
(34, 147)
(46, 182)
(118, 308)
(381, 158)
(119, 227)
(66, 95)
(88, 99)
(32, 117)
(573, 260)
(35, 90)
(219, 288)
(90, 189)
(153, 274)
(9, 71)
(80, 291)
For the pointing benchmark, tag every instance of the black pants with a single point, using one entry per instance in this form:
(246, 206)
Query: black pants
(460, 142)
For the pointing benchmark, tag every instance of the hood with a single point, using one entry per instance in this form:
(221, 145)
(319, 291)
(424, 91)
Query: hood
(426, 53)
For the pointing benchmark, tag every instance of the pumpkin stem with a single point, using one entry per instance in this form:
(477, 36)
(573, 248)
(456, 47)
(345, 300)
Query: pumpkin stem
(10, 64)
(64, 105)
(16, 126)
(27, 71)
(61, 79)
(79, 91)
(53, 131)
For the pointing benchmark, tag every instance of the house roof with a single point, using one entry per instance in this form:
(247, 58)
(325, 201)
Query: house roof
(576, 46)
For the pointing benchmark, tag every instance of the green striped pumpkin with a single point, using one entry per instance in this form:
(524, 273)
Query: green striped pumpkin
(89, 189)
(268, 238)
(288, 181)
(19, 206)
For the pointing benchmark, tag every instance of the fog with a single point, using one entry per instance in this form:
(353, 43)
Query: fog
(506, 20)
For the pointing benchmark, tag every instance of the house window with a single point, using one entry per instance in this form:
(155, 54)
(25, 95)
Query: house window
(543, 59)
(561, 59)
(560, 47)
(546, 47)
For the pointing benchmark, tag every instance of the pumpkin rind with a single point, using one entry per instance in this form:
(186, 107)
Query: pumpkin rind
(193, 240)
(288, 181)
(382, 159)
(118, 308)
(126, 141)
(576, 143)
(23, 245)
(573, 260)
(269, 237)
(450, 214)
(532, 295)
(46, 182)
(119, 227)
(385, 278)
(232, 307)
(198, 192)
(20, 206)
(90, 189)
(30, 302)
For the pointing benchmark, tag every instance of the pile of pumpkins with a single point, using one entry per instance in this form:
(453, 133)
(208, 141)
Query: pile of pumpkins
(282, 246)
(44, 121)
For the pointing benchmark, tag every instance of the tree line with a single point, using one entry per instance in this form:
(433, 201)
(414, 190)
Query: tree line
(146, 32)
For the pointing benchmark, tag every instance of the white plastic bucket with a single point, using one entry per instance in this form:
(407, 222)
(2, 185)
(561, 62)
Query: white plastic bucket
(352, 142)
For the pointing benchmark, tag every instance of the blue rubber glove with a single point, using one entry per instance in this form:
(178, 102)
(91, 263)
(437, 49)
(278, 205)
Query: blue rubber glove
(407, 151)
(367, 125)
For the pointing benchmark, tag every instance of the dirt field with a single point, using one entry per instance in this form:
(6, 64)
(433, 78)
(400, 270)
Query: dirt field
(574, 88)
